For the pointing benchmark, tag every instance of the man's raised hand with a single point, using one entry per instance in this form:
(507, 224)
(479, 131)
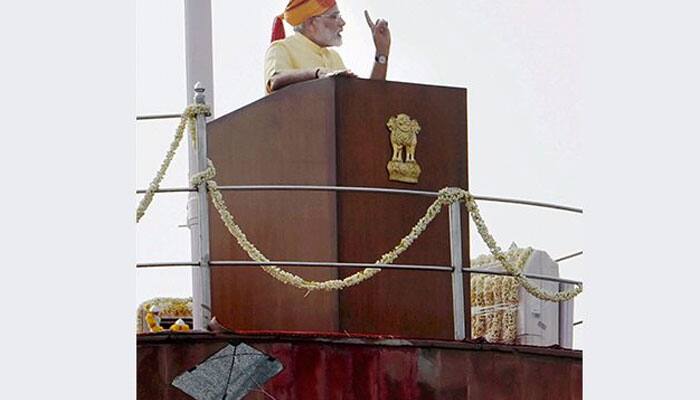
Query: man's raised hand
(380, 34)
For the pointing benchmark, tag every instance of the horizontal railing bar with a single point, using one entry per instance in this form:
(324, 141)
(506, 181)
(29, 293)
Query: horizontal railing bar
(367, 190)
(569, 256)
(169, 190)
(529, 203)
(415, 267)
(157, 116)
(168, 264)
(333, 264)
(331, 188)
(531, 276)
(394, 191)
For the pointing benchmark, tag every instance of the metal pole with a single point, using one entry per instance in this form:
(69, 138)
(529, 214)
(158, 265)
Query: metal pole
(198, 48)
(199, 68)
(198, 222)
(457, 276)
(566, 319)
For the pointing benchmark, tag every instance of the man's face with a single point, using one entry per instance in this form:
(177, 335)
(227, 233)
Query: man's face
(328, 27)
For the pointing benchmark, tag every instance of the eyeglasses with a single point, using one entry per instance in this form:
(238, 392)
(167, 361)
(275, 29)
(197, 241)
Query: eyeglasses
(335, 16)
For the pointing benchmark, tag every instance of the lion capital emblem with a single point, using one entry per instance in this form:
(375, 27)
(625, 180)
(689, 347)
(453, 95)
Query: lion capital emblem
(404, 139)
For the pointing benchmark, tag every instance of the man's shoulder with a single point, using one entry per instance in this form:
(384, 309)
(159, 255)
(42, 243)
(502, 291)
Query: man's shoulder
(286, 42)
(278, 48)
(281, 43)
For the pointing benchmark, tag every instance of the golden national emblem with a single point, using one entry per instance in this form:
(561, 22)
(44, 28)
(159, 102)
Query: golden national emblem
(404, 137)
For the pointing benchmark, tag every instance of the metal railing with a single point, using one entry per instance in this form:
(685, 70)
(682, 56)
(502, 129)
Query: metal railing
(362, 189)
(569, 256)
(316, 264)
(201, 263)
(157, 116)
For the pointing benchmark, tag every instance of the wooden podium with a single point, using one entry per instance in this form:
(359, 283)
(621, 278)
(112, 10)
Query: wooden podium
(333, 132)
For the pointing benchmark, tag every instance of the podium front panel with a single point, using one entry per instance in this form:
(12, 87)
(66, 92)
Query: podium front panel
(398, 302)
(333, 132)
(285, 138)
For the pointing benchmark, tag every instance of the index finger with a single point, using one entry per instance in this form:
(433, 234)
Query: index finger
(369, 20)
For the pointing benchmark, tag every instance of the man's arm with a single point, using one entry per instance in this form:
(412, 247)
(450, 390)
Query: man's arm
(285, 78)
(382, 44)
(379, 70)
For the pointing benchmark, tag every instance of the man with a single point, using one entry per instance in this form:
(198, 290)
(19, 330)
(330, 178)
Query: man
(306, 55)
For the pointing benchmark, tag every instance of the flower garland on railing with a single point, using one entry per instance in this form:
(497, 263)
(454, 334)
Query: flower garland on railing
(295, 280)
(446, 196)
(187, 118)
(496, 251)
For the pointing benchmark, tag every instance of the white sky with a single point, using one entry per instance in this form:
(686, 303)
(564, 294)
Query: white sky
(521, 63)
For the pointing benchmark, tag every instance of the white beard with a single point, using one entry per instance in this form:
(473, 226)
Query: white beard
(330, 38)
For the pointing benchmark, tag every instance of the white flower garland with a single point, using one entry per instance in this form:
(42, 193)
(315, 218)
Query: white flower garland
(295, 280)
(188, 117)
(498, 254)
(446, 196)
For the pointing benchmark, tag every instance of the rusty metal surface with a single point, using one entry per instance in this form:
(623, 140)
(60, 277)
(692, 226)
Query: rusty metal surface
(361, 368)
(231, 373)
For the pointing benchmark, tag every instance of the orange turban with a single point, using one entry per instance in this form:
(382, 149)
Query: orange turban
(298, 11)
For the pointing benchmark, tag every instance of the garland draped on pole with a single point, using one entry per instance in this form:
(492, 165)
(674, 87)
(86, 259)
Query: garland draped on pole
(187, 118)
